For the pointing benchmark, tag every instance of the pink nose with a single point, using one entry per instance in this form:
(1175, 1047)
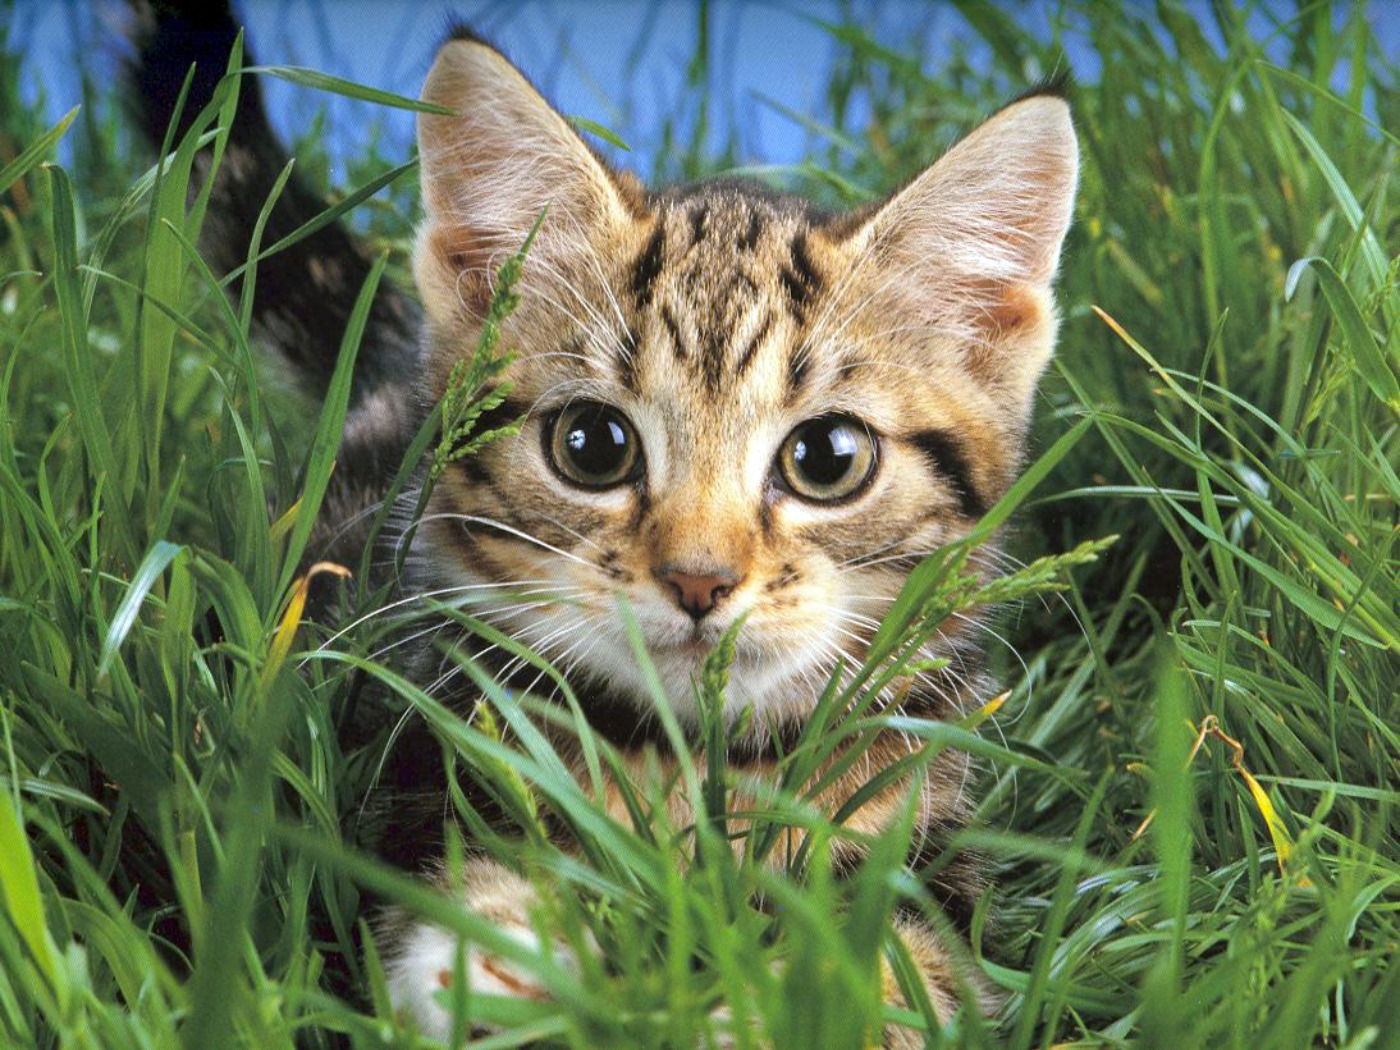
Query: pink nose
(699, 592)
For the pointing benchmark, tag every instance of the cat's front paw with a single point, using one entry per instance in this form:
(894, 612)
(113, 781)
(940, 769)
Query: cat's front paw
(425, 958)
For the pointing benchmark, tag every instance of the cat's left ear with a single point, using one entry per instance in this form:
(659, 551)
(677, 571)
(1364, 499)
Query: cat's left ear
(491, 168)
(970, 247)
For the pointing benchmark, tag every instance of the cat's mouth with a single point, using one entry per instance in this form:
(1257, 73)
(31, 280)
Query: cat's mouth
(682, 651)
(697, 645)
(695, 641)
(691, 649)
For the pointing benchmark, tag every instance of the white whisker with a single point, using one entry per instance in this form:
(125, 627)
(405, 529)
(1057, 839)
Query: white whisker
(512, 530)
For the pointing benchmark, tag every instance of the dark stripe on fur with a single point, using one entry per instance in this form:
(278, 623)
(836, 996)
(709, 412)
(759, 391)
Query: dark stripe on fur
(800, 280)
(743, 283)
(698, 215)
(765, 512)
(647, 265)
(674, 330)
(946, 455)
(747, 356)
(749, 238)
(797, 368)
(805, 268)
(714, 341)
(627, 360)
(642, 503)
(955, 884)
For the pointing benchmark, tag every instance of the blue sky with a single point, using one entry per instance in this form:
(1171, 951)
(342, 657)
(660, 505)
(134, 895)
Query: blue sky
(618, 62)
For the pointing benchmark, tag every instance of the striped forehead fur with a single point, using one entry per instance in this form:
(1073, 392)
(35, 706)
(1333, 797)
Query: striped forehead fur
(717, 318)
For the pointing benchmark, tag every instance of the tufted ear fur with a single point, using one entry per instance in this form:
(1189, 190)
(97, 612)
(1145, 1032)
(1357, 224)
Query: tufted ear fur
(970, 247)
(490, 169)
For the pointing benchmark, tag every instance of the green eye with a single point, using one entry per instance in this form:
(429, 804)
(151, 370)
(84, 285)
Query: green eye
(594, 446)
(828, 458)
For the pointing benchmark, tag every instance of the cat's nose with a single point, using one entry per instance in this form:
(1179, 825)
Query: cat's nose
(697, 592)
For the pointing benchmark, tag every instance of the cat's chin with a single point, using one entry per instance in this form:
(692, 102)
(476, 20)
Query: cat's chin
(775, 688)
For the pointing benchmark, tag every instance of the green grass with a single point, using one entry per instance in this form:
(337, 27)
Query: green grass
(172, 864)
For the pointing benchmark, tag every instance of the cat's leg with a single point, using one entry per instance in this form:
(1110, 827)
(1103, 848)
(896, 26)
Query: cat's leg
(944, 981)
(423, 957)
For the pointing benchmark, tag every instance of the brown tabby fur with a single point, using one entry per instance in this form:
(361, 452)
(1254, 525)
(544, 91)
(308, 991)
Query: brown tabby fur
(717, 319)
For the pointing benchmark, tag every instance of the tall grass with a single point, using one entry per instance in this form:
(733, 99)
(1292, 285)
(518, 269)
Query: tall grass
(1188, 795)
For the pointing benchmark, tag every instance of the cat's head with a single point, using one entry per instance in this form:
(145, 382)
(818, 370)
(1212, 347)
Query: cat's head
(735, 406)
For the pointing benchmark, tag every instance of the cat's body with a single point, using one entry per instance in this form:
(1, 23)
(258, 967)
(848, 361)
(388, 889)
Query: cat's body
(733, 406)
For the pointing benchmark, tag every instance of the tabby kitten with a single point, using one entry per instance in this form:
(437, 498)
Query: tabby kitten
(734, 405)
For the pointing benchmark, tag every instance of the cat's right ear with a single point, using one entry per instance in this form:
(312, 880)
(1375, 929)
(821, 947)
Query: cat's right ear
(973, 243)
(490, 169)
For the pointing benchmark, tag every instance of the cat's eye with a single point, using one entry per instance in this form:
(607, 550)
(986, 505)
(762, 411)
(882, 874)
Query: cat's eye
(594, 445)
(828, 458)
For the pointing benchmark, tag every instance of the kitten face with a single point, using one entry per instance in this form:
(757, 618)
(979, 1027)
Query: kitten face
(734, 407)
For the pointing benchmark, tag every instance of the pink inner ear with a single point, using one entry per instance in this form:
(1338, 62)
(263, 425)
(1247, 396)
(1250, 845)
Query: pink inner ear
(504, 154)
(1016, 307)
(1012, 313)
(464, 261)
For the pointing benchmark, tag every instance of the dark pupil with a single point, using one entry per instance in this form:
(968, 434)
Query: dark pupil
(824, 452)
(597, 443)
